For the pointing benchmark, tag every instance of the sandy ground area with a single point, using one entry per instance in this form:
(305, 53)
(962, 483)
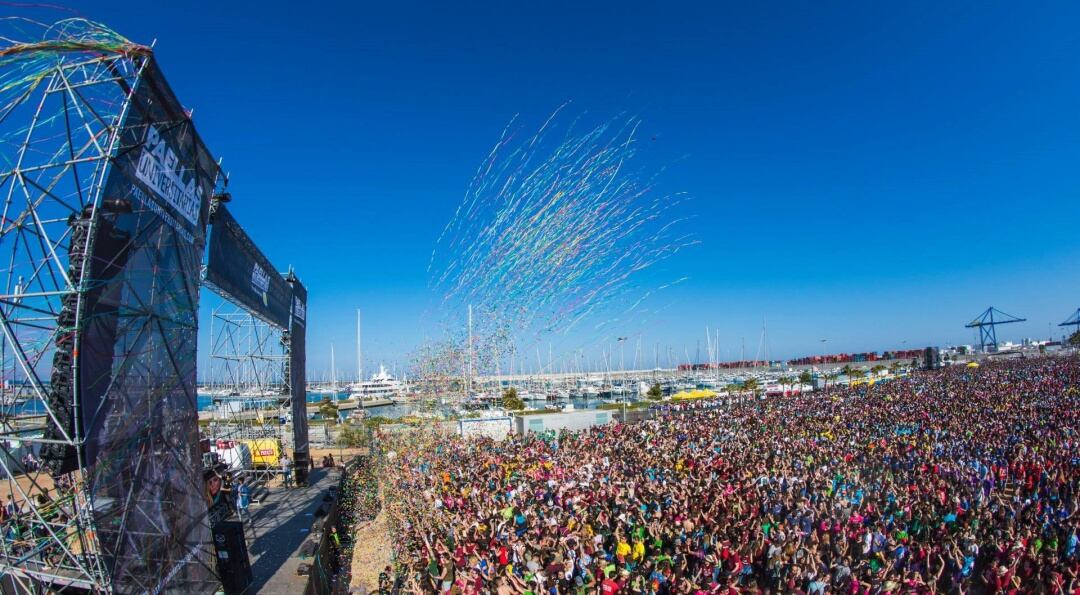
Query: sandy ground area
(32, 484)
(317, 454)
(371, 554)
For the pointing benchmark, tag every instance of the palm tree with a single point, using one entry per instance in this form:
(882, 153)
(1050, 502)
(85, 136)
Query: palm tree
(836, 376)
(894, 368)
(878, 369)
(785, 381)
(806, 378)
(751, 384)
(855, 374)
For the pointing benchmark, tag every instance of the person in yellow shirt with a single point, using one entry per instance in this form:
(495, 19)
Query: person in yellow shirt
(639, 550)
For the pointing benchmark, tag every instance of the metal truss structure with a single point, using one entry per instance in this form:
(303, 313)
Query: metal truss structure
(99, 293)
(1072, 321)
(986, 322)
(250, 397)
(61, 132)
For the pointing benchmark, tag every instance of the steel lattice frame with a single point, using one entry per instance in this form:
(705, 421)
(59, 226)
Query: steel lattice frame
(124, 509)
(121, 506)
(56, 176)
(247, 384)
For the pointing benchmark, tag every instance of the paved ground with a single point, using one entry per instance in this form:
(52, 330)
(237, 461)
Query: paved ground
(278, 527)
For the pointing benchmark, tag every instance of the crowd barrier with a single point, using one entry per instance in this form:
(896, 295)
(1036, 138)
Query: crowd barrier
(323, 570)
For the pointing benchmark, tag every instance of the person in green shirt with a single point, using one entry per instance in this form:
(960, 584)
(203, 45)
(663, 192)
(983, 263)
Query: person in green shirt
(433, 570)
(585, 583)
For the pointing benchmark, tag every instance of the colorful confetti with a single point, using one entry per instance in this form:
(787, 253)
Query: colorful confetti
(554, 229)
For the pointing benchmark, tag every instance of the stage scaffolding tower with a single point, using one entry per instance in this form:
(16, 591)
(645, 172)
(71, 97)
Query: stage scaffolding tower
(66, 97)
(246, 382)
(106, 190)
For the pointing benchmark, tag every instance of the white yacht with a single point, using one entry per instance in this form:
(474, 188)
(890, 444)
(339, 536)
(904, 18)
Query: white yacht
(381, 386)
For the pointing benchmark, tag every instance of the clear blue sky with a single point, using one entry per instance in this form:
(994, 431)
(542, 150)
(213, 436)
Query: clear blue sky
(865, 173)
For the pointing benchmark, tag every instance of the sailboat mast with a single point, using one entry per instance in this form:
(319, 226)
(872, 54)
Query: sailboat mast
(360, 360)
(765, 338)
(333, 374)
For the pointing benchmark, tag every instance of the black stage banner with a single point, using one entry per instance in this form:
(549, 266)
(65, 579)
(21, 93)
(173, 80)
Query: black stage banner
(239, 270)
(136, 349)
(297, 375)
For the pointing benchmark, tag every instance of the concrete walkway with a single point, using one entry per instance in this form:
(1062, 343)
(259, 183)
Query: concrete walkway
(277, 528)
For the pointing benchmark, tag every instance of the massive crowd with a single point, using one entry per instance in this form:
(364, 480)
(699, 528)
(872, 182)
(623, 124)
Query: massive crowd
(961, 480)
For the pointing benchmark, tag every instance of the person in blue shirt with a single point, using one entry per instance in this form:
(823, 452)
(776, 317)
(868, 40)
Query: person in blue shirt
(243, 498)
(519, 523)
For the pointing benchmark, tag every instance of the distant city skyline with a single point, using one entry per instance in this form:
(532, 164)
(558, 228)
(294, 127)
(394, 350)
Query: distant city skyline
(872, 175)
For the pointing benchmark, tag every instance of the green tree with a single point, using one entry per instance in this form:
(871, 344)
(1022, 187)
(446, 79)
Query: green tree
(806, 378)
(1074, 339)
(655, 392)
(328, 410)
(352, 437)
(511, 401)
(894, 368)
(785, 382)
(751, 384)
(878, 369)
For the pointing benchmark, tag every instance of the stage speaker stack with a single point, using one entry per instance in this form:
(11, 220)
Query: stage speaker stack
(932, 358)
(233, 564)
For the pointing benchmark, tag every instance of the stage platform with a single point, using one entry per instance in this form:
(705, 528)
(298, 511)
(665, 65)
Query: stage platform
(276, 529)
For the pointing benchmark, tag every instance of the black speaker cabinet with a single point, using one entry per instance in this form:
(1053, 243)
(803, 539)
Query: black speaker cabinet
(932, 358)
(233, 564)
